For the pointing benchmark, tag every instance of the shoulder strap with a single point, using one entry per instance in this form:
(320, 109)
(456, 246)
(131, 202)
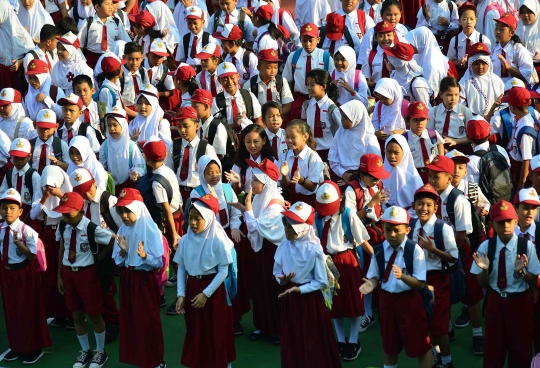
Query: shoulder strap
(200, 190)
(201, 149)
(62, 228)
(186, 41)
(242, 21)
(412, 225)
(507, 124)
(439, 239)
(212, 130)
(53, 91)
(346, 224)
(177, 147)
(89, 21)
(111, 91)
(492, 245)
(296, 57)
(378, 251)
(348, 37)
(522, 245)
(105, 211)
(318, 225)
(279, 85)
(371, 57)
(361, 15)
(359, 194)
(57, 148)
(76, 12)
(409, 256)
(102, 110)
(221, 104)
(205, 39)
(357, 73)
(91, 231)
(450, 205)
(326, 60)
(28, 181)
(161, 84)
(456, 45)
(245, 60)
(322, 36)
(246, 95)
(165, 184)
(217, 15)
(8, 176)
(18, 126)
(253, 85)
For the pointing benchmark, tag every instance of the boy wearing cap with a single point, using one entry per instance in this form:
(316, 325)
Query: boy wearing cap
(195, 40)
(335, 34)
(508, 267)
(406, 325)
(211, 130)
(358, 19)
(44, 50)
(18, 125)
(228, 14)
(157, 70)
(47, 149)
(26, 325)
(93, 111)
(376, 67)
(82, 245)
(134, 77)
(207, 79)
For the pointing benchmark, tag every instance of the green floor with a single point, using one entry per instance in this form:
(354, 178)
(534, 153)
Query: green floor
(248, 354)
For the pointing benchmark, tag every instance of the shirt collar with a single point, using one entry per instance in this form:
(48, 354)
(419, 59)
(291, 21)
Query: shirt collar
(23, 170)
(446, 192)
(387, 245)
(13, 226)
(192, 143)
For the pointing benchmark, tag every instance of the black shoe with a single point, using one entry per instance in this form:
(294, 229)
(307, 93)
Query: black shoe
(162, 365)
(478, 345)
(32, 357)
(70, 325)
(111, 333)
(171, 311)
(366, 323)
(276, 341)
(452, 334)
(463, 319)
(84, 359)
(255, 336)
(437, 361)
(171, 282)
(341, 347)
(58, 322)
(12, 356)
(238, 329)
(163, 301)
(447, 365)
(99, 360)
(351, 351)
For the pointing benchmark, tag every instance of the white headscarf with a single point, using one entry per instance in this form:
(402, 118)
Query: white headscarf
(165, 20)
(74, 65)
(348, 75)
(34, 19)
(429, 57)
(17, 111)
(55, 177)
(149, 125)
(118, 48)
(90, 162)
(118, 151)
(203, 162)
(404, 72)
(15, 40)
(530, 34)
(389, 88)
(404, 179)
(5, 142)
(32, 106)
(206, 250)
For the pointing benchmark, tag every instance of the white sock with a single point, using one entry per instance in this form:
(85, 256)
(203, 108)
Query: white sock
(83, 340)
(477, 331)
(367, 304)
(390, 366)
(339, 325)
(446, 359)
(355, 329)
(100, 341)
(229, 365)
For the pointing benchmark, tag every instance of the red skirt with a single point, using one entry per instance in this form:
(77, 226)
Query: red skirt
(141, 336)
(307, 335)
(240, 303)
(348, 302)
(209, 338)
(266, 305)
(296, 106)
(26, 323)
(8, 79)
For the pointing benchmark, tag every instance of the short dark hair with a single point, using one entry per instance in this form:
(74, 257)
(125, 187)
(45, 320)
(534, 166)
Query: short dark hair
(82, 78)
(448, 82)
(423, 195)
(66, 25)
(132, 47)
(48, 32)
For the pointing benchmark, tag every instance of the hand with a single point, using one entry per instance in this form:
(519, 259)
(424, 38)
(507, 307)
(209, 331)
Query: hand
(55, 192)
(248, 199)
(426, 243)
(443, 21)
(211, 190)
(187, 3)
(239, 206)
(165, 32)
(536, 56)
(122, 242)
(398, 274)
(521, 262)
(14, 66)
(283, 280)
(342, 183)
(53, 160)
(176, 239)
(135, 134)
(15, 236)
(180, 305)
(40, 97)
(284, 169)
(464, 61)
(140, 250)
(247, 11)
(199, 301)
(482, 212)
(232, 177)
(427, 9)
(294, 289)
(45, 195)
(366, 287)
(345, 85)
(449, 141)
(347, 177)
(296, 177)
(237, 235)
(60, 285)
(381, 135)
(481, 260)
(389, 66)
(379, 197)
(134, 175)
(504, 63)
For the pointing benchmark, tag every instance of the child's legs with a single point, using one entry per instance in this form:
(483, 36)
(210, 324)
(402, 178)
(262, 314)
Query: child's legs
(79, 320)
(390, 359)
(536, 329)
(473, 291)
(99, 324)
(438, 325)
(519, 330)
(425, 360)
(444, 344)
(391, 337)
(496, 346)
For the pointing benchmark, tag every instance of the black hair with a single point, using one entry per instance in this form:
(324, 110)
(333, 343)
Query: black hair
(515, 38)
(9, 201)
(132, 47)
(447, 83)
(304, 128)
(323, 78)
(271, 105)
(110, 75)
(480, 141)
(97, 2)
(388, 3)
(155, 34)
(66, 25)
(272, 28)
(48, 32)
(243, 154)
(191, 85)
(82, 78)
(423, 195)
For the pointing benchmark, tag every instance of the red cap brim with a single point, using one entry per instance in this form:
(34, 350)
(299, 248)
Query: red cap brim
(65, 209)
(5, 102)
(46, 125)
(19, 153)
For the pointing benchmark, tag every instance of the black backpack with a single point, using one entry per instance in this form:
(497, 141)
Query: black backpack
(221, 104)
(187, 36)
(227, 162)
(105, 211)
(27, 180)
(177, 150)
(144, 185)
(83, 128)
(144, 78)
(254, 86)
(495, 179)
(56, 146)
(241, 21)
(476, 235)
(89, 22)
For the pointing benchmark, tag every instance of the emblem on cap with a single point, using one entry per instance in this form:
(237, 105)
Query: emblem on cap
(298, 207)
(69, 34)
(78, 177)
(379, 163)
(225, 66)
(308, 28)
(436, 159)
(148, 86)
(20, 144)
(515, 82)
(206, 47)
(480, 47)
(504, 207)
(115, 108)
(64, 198)
(193, 10)
(180, 111)
(427, 186)
(32, 66)
(532, 192)
(3, 93)
(336, 29)
(385, 24)
(123, 193)
(420, 107)
(160, 44)
(456, 153)
(11, 192)
(273, 53)
(325, 196)
(393, 212)
(47, 115)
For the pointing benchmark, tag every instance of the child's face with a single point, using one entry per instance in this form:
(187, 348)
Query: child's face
(425, 208)
(450, 97)
(45, 133)
(134, 61)
(230, 83)
(526, 15)
(254, 143)
(212, 174)
(155, 60)
(114, 128)
(394, 154)
(268, 70)
(369, 180)
(503, 33)
(202, 109)
(309, 43)
(314, 89)
(385, 38)
(20, 162)
(228, 46)
(349, 5)
(479, 67)
(51, 44)
(210, 64)
(91, 194)
(290, 234)
(143, 106)
(227, 5)
(70, 113)
(196, 221)
(295, 140)
(73, 218)
(340, 62)
(86, 2)
(5, 110)
(346, 123)
(85, 92)
(106, 9)
(34, 82)
(128, 217)
(75, 156)
(439, 180)
(468, 21)
(526, 213)
(256, 186)
(383, 99)
(505, 229)
(273, 119)
(27, 4)
(139, 30)
(460, 172)
(195, 25)
(418, 125)
(392, 15)
(10, 211)
(395, 234)
(61, 51)
(187, 129)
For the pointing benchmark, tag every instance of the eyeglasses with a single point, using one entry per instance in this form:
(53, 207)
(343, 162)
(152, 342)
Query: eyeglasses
(372, 179)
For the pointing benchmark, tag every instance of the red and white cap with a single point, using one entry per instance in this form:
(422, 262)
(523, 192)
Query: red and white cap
(230, 32)
(513, 82)
(268, 167)
(456, 155)
(396, 215)
(20, 147)
(209, 201)
(150, 90)
(226, 69)
(128, 196)
(71, 99)
(328, 198)
(117, 112)
(9, 96)
(81, 179)
(535, 163)
(527, 195)
(70, 39)
(46, 118)
(194, 12)
(159, 47)
(301, 212)
(11, 195)
(36, 67)
(71, 201)
(208, 51)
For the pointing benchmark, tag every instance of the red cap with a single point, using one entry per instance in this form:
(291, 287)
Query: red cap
(202, 96)
(267, 166)
(478, 48)
(466, 6)
(210, 201)
(71, 201)
(478, 129)
(400, 50)
(71, 99)
(442, 164)
(208, 51)
(269, 55)
(264, 11)
(284, 31)
(335, 26)
(110, 64)
(144, 18)
(184, 72)
(186, 112)
(417, 110)
(429, 190)
(37, 66)
(310, 30)
(517, 96)
(155, 150)
(230, 32)
(383, 27)
(9, 96)
(372, 164)
(502, 211)
(127, 196)
(509, 20)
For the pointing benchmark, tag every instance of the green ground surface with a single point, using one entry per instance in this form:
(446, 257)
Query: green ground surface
(261, 354)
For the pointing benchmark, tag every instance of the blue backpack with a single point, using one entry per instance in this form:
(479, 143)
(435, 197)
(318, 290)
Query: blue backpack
(296, 57)
(508, 127)
(95, 96)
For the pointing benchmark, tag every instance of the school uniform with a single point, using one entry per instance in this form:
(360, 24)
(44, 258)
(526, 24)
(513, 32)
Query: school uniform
(106, 97)
(52, 8)
(352, 23)
(472, 166)
(451, 123)
(209, 81)
(523, 150)
(481, 200)
(176, 201)
(439, 9)
(133, 83)
(69, 133)
(40, 155)
(24, 312)
(246, 173)
(241, 105)
(268, 92)
(512, 305)
(423, 151)
(220, 139)
(188, 59)
(50, 58)
(155, 75)
(518, 57)
(278, 142)
(460, 43)
(26, 129)
(372, 10)
(18, 181)
(377, 68)
(145, 43)
(329, 124)
(238, 61)
(233, 18)
(92, 117)
(264, 40)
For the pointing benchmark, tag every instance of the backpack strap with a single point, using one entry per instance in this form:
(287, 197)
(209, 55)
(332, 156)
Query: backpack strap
(111, 91)
(205, 38)
(102, 110)
(202, 79)
(361, 15)
(242, 21)
(177, 147)
(433, 138)
(228, 192)
(450, 205)
(326, 60)
(359, 192)
(346, 224)
(279, 85)
(246, 95)
(253, 85)
(161, 84)
(201, 149)
(186, 41)
(322, 36)
(62, 228)
(294, 61)
(89, 21)
(525, 130)
(378, 251)
(371, 57)
(105, 211)
(76, 15)
(165, 184)
(245, 60)
(357, 73)
(455, 41)
(348, 38)
(439, 240)
(91, 231)
(217, 16)
(412, 225)
(18, 127)
(57, 148)
(28, 181)
(221, 104)
(409, 256)
(507, 125)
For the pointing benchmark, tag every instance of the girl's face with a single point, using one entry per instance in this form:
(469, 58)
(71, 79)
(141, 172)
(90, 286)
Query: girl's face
(34, 82)
(139, 30)
(256, 185)
(295, 140)
(127, 217)
(27, 4)
(273, 119)
(503, 33)
(228, 46)
(143, 106)
(468, 21)
(385, 39)
(254, 143)
(526, 15)
(75, 156)
(196, 221)
(290, 234)
(63, 54)
(450, 97)
(5, 110)
(114, 128)
(392, 15)
(346, 123)
(210, 64)
(384, 100)
(480, 68)
(212, 174)
(394, 154)
(340, 63)
(315, 90)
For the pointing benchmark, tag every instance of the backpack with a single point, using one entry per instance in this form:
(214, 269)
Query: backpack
(227, 191)
(529, 130)
(245, 63)
(231, 281)
(177, 150)
(221, 104)
(231, 147)
(432, 137)
(495, 179)
(508, 126)
(95, 96)
(83, 129)
(89, 21)
(254, 86)
(142, 72)
(187, 36)
(296, 57)
(105, 212)
(356, 83)
(56, 147)
(144, 185)
(22, 83)
(477, 233)
(241, 20)
(490, 7)
(334, 126)
(41, 256)
(359, 192)
(27, 180)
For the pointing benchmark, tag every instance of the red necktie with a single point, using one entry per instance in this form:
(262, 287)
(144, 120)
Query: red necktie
(5, 245)
(439, 212)
(194, 47)
(135, 84)
(421, 232)
(48, 61)
(332, 47)
(72, 255)
(86, 116)
(223, 217)
(19, 183)
(372, 13)
(325, 230)
(292, 189)
(104, 43)
(467, 45)
(308, 65)
(274, 144)
(42, 158)
(88, 214)
(377, 207)
(504, 73)
(269, 96)
(446, 124)
(501, 278)
(389, 266)
(227, 18)
(70, 135)
(317, 131)
(150, 73)
(213, 88)
(425, 155)
(185, 164)
(234, 108)
(385, 72)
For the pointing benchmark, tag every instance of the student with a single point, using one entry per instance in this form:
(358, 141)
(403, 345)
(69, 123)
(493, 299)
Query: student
(134, 77)
(304, 61)
(228, 14)
(73, 126)
(425, 144)
(107, 79)
(371, 8)
(13, 120)
(44, 49)
(181, 11)
(441, 17)
(207, 79)
(269, 86)
(527, 28)
(273, 119)
(299, 266)
(47, 149)
(351, 82)
(33, 17)
(184, 82)
(387, 115)
(267, 31)
(41, 94)
(488, 11)
(26, 326)
(81, 10)
(497, 261)
(357, 21)
(158, 73)
(143, 25)
(375, 66)
(77, 275)
(165, 25)
(139, 249)
(82, 155)
(93, 112)
(311, 12)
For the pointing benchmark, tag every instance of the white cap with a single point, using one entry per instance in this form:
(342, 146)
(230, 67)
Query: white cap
(226, 69)
(70, 39)
(80, 176)
(327, 197)
(527, 195)
(396, 215)
(9, 95)
(208, 51)
(513, 82)
(159, 47)
(11, 195)
(301, 212)
(46, 118)
(455, 153)
(20, 147)
(535, 163)
(194, 12)
(150, 90)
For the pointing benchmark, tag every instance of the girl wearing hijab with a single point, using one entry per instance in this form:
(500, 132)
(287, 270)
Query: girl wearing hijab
(528, 28)
(33, 16)
(82, 155)
(404, 178)
(118, 149)
(357, 130)
(139, 249)
(41, 94)
(351, 82)
(70, 63)
(12, 114)
(164, 24)
(480, 87)
(83, 12)
(486, 17)
(204, 255)
(5, 164)
(299, 266)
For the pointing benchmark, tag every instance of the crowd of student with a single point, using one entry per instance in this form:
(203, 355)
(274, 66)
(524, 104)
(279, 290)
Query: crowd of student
(292, 165)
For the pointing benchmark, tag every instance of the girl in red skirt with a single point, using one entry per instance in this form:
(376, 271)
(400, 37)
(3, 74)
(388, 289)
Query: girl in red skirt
(306, 332)
(340, 243)
(203, 258)
(139, 249)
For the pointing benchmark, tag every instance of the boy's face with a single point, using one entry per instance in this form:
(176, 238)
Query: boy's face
(504, 229)
(106, 9)
(309, 43)
(134, 61)
(195, 25)
(70, 113)
(439, 180)
(395, 234)
(418, 125)
(20, 162)
(268, 70)
(526, 213)
(468, 21)
(425, 208)
(202, 109)
(73, 218)
(45, 133)
(273, 119)
(460, 172)
(85, 92)
(228, 46)
(349, 5)
(450, 97)
(155, 60)
(5, 110)
(230, 83)
(10, 211)
(227, 5)
(385, 38)
(187, 129)
(51, 44)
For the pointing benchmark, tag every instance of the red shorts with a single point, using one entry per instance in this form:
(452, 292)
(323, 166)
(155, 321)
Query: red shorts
(82, 290)
(473, 291)
(403, 323)
(440, 280)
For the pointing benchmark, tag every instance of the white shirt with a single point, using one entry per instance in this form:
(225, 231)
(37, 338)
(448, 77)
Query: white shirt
(234, 18)
(439, 9)
(264, 40)
(193, 175)
(374, 71)
(462, 211)
(329, 123)
(220, 139)
(311, 168)
(416, 148)
(299, 76)
(351, 22)
(518, 57)
(283, 97)
(529, 233)
(239, 64)
(474, 161)
(29, 239)
(376, 10)
(43, 56)
(204, 80)
(25, 193)
(156, 73)
(526, 148)
(90, 134)
(36, 154)
(459, 117)
(91, 37)
(282, 146)
(482, 202)
(95, 211)
(26, 129)
(241, 106)
(129, 95)
(461, 51)
(351, 200)
(106, 97)
(180, 52)
(337, 240)
(161, 194)
(95, 120)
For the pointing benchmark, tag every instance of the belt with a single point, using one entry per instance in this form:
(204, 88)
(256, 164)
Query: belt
(17, 266)
(186, 189)
(507, 295)
(77, 269)
(205, 277)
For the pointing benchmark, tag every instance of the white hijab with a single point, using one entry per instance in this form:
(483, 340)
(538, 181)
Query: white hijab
(204, 251)
(118, 151)
(75, 64)
(390, 88)
(17, 111)
(404, 72)
(530, 34)
(15, 40)
(90, 162)
(5, 142)
(429, 57)
(149, 125)
(34, 19)
(32, 106)
(55, 177)
(165, 20)
(404, 179)
(348, 75)
(204, 161)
